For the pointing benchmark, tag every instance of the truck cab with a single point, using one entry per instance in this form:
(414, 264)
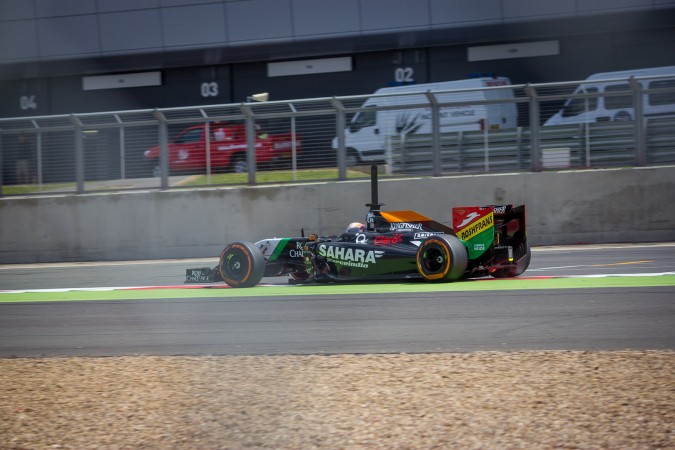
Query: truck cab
(226, 145)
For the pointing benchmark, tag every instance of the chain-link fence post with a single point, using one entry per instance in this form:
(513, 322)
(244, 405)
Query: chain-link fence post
(163, 149)
(250, 142)
(436, 169)
(294, 144)
(1, 169)
(79, 153)
(535, 143)
(40, 164)
(207, 139)
(122, 146)
(640, 141)
(340, 121)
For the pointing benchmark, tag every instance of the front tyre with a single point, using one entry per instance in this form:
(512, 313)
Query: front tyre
(353, 158)
(442, 258)
(241, 265)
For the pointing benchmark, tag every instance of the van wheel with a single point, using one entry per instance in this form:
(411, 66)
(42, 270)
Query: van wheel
(153, 169)
(241, 265)
(623, 116)
(442, 258)
(239, 164)
(353, 158)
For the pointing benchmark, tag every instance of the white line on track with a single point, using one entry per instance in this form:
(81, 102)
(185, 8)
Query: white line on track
(620, 275)
(194, 286)
(113, 288)
(205, 261)
(563, 248)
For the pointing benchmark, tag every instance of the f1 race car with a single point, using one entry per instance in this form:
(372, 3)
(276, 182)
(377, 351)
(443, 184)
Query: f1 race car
(484, 240)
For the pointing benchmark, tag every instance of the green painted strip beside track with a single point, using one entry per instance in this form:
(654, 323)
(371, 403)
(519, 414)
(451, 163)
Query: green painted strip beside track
(348, 289)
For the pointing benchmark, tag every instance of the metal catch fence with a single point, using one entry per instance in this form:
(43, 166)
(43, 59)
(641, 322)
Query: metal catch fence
(489, 127)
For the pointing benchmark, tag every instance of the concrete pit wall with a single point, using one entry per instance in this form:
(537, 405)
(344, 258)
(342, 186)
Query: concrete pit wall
(595, 206)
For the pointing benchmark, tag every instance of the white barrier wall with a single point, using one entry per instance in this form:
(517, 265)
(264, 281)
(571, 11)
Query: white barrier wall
(595, 206)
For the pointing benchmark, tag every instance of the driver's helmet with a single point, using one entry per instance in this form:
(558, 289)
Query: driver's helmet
(355, 227)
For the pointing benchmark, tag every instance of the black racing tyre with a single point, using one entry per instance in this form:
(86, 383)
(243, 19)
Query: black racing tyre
(239, 163)
(521, 266)
(152, 168)
(623, 116)
(241, 265)
(442, 258)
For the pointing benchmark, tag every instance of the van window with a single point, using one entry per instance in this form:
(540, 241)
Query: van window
(580, 105)
(621, 102)
(662, 98)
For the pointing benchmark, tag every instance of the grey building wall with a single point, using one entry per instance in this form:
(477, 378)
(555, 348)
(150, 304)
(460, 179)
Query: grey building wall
(34, 30)
(47, 46)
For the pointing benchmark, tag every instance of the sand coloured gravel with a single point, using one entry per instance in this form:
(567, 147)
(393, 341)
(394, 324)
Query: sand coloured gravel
(482, 400)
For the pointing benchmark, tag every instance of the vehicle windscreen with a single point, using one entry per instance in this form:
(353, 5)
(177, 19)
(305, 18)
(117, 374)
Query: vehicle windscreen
(190, 136)
(580, 105)
(365, 118)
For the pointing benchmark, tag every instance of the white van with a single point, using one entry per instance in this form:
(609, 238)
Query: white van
(366, 136)
(617, 108)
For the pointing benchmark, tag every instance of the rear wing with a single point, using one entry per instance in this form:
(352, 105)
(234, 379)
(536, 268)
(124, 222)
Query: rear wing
(492, 226)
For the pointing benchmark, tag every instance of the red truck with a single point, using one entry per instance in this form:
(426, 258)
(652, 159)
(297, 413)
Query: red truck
(187, 153)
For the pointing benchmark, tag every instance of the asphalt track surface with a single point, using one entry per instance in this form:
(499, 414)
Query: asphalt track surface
(605, 301)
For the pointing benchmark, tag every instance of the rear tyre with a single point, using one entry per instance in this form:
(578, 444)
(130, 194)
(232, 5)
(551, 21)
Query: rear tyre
(521, 266)
(623, 116)
(442, 258)
(241, 265)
